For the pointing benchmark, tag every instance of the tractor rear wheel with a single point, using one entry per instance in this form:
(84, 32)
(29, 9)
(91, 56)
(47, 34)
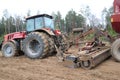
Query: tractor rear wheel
(35, 45)
(9, 49)
(115, 50)
(51, 44)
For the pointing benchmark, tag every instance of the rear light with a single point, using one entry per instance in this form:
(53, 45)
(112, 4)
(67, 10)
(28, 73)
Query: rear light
(57, 32)
(111, 19)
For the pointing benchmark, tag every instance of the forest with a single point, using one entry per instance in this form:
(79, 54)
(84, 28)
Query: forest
(84, 19)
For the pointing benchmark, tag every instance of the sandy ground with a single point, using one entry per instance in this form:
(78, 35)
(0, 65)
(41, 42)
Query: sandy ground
(22, 68)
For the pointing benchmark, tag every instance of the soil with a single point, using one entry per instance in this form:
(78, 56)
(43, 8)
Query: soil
(23, 68)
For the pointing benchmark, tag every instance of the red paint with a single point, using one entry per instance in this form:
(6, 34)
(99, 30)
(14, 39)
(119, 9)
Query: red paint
(15, 35)
(116, 22)
(57, 32)
(116, 6)
(115, 18)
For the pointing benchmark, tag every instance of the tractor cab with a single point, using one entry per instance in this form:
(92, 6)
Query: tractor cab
(39, 21)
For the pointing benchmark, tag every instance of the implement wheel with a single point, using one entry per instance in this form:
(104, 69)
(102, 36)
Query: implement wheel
(9, 49)
(86, 64)
(35, 45)
(115, 50)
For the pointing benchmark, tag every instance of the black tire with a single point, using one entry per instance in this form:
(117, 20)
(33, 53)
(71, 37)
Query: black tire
(35, 45)
(50, 43)
(52, 47)
(9, 49)
(115, 50)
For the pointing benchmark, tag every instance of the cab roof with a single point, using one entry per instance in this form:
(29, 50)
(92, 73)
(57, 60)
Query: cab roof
(40, 15)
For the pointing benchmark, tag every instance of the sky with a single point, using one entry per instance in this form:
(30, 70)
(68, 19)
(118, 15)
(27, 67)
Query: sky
(21, 7)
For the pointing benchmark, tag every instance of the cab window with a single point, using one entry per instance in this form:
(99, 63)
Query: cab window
(30, 25)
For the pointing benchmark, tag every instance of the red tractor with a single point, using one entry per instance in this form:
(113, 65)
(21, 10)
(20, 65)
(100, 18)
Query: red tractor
(115, 20)
(39, 40)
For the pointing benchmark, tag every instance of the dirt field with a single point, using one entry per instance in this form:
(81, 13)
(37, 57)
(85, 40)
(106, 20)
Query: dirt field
(22, 68)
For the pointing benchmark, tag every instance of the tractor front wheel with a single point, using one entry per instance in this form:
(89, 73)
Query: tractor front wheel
(9, 49)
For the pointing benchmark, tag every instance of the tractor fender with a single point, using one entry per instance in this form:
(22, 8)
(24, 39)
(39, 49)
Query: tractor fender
(47, 31)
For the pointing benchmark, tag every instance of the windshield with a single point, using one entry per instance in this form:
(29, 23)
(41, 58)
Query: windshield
(30, 25)
(33, 24)
(38, 23)
(49, 23)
